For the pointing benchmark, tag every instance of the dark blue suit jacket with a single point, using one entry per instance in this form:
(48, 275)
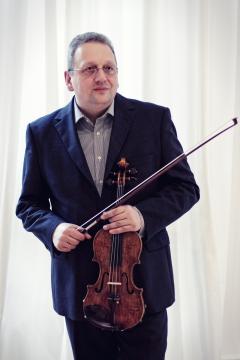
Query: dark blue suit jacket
(57, 187)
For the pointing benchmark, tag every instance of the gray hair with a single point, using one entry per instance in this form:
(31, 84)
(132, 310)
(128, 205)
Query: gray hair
(83, 39)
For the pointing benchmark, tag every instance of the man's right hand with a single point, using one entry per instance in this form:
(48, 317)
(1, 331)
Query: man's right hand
(66, 237)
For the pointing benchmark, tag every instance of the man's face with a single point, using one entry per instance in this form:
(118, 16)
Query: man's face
(94, 92)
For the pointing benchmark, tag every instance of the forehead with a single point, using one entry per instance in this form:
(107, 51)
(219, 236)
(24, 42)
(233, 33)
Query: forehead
(93, 52)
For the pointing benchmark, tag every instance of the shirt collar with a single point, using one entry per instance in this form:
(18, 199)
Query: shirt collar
(79, 114)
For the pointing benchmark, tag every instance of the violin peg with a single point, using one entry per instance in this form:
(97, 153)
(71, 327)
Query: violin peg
(109, 182)
(132, 171)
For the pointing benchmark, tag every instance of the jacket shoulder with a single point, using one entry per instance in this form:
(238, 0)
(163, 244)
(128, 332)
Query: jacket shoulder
(139, 104)
(47, 120)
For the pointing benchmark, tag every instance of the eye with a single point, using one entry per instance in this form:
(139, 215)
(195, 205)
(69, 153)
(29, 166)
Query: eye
(91, 69)
(108, 69)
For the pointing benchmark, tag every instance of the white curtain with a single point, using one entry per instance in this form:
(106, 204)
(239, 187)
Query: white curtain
(184, 54)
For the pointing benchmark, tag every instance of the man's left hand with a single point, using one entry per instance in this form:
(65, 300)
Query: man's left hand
(122, 219)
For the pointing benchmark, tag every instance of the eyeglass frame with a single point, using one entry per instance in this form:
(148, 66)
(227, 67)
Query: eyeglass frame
(84, 71)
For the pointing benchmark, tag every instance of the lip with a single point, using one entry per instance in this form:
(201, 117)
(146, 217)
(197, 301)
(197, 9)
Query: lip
(100, 89)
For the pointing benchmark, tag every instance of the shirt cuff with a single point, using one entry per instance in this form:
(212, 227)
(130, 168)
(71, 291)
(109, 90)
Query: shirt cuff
(142, 226)
(59, 230)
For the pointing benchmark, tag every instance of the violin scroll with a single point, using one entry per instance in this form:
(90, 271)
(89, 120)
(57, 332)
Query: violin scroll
(123, 174)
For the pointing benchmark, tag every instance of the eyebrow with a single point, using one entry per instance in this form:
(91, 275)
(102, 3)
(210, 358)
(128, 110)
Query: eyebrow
(91, 63)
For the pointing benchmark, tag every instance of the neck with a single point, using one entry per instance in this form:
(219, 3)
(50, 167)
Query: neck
(93, 116)
(94, 113)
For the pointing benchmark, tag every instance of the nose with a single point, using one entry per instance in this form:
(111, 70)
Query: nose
(100, 75)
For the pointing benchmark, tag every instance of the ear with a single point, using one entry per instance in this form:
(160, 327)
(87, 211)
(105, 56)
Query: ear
(68, 80)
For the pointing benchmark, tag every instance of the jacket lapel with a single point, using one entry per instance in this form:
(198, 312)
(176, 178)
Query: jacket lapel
(121, 124)
(65, 126)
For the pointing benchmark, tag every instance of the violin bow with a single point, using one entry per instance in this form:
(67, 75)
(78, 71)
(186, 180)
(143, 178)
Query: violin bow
(128, 195)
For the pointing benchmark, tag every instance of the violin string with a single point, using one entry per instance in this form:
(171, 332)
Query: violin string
(112, 279)
(113, 251)
(118, 240)
(115, 257)
(116, 249)
(113, 262)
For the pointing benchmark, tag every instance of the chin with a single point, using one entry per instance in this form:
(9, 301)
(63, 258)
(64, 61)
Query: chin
(104, 100)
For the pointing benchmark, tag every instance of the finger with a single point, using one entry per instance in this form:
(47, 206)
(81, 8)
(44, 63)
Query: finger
(71, 241)
(86, 235)
(116, 224)
(64, 247)
(118, 218)
(121, 230)
(117, 228)
(77, 235)
(83, 232)
(114, 212)
(68, 243)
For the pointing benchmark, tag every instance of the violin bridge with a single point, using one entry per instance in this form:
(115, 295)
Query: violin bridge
(114, 283)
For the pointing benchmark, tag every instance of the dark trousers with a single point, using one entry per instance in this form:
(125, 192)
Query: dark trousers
(146, 341)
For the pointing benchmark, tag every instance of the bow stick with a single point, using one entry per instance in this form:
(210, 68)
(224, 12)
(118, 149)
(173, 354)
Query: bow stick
(128, 195)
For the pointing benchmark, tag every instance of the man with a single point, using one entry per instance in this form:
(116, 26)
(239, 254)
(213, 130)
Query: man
(70, 155)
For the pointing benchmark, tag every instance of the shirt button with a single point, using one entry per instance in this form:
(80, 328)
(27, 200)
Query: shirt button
(98, 133)
(99, 158)
(100, 181)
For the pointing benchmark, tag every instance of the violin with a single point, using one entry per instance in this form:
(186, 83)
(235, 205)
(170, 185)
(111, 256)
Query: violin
(114, 302)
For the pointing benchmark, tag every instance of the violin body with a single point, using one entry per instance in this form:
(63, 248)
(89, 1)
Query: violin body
(114, 302)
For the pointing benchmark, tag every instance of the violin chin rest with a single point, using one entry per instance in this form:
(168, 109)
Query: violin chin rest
(100, 317)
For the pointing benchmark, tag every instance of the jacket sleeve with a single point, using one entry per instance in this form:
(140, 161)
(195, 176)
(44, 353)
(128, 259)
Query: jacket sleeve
(175, 192)
(34, 208)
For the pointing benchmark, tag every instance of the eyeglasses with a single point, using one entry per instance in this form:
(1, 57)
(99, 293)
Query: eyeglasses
(88, 71)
